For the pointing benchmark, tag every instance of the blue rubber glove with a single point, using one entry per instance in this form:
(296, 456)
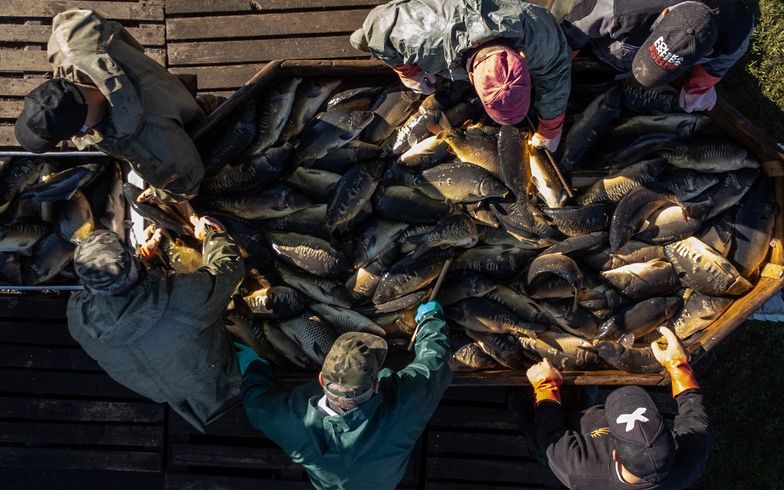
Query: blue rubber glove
(245, 356)
(429, 307)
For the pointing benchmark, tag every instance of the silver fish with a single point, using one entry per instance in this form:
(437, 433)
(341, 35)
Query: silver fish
(460, 182)
(704, 270)
(331, 130)
(320, 289)
(310, 96)
(311, 334)
(391, 108)
(698, 312)
(614, 187)
(343, 320)
(644, 280)
(273, 202)
(309, 253)
(708, 157)
(272, 113)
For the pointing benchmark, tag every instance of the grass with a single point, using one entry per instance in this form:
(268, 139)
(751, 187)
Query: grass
(745, 386)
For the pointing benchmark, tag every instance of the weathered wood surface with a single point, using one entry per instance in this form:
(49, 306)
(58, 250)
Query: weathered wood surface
(174, 7)
(128, 10)
(147, 35)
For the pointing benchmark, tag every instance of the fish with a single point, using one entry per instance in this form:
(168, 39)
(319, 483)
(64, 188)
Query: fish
(629, 253)
(579, 220)
(615, 187)
(480, 213)
(704, 270)
(579, 351)
(754, 223)
(718, 232)
(522, 305)
(62, 185)
(687, 184)
(591, 124)
(461, 285)
(272, 113)
(524, 219)
(429, 151)
(319, 185)
(343, 158)
(544, 179)
(667, 224)
(468, 109)
(485, 315)
(307, 221)
(472, 145)
(309, 98)
(155, 214)
(581, 359)
(729, 191)
(511, 159)
(633, 210)
(113, 217)
(377, 237)
(331, 131)
(320, 289)
(577, 322)
(682, 125)
(309, 253)
(457, 230)
(698, 312)
(426, 121)
(276, 302)
(352, 192)
(363, 283)
(642, 99)
(273, 202)
(410, 274)
(459, 182)
(15, 177)
(630, 359)
(21, 236)
(355, 99)
(497, 262)
(283, 344)
(555, 264)
(242, 131)
(182, 258)
(471, 357)
(250, 333)
(708, 156)
(311, 334)
(11, 268)
(74, 219)
(398, 304)
(630, 151)
(49, 258)
(640, 319)
(504, 348)
(409, 206)
(643, 280)
(391, 108)
(344, 320)
(579, 245)
(257, 172)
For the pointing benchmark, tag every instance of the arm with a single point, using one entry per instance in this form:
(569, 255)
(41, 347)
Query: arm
(549, 61)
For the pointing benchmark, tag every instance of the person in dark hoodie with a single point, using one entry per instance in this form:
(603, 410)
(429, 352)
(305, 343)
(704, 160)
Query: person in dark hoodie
(161, 335)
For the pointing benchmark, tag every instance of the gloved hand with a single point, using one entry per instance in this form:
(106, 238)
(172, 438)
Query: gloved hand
(548, 133)
(152, 239)
(204, 225)
(675, 360)
(698, 94)
(426, 308)
(245, 356)
(416, 79)
(546, 381)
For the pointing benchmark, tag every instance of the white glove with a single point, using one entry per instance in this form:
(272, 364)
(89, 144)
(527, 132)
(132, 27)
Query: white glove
(416, 79)
(551, 144)
(692, 102)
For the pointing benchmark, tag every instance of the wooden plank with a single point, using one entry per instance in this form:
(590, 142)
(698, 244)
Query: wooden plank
(441, 442)
(10, 109)
(7, 139)
(21, 61)
(217, 77)
(141, 10)
(46, 358)
(71, 434)
(36, 333)
(517, 378)
(484, 470)
(32, 306)
(147, 35)
(55, 383)
(261, 25)
(201, 53)
(86, 459)
(214, 6)
(233, 423)
(81, 410)
(467, 417)
(230, 457)
(456, 485)
(187, 481)
(485, 394)
(69, 479)
(19, 87)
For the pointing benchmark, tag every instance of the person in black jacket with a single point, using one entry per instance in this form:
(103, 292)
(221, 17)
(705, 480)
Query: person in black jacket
(657, 40)
(625, 443)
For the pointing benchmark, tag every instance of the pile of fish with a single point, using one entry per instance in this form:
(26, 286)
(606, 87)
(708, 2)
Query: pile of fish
(48, 207)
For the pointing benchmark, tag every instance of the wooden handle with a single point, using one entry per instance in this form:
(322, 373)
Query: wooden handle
(433, 295)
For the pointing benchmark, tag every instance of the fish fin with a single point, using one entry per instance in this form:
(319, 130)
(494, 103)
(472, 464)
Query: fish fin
(627, 340)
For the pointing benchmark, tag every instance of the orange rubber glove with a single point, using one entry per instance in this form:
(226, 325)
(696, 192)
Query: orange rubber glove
(416, 79)
(675, 360)
(546, 381)
(152, 239)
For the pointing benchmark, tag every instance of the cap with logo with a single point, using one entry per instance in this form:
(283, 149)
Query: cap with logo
(642, 440)
(501, 78)
(681, 39)
(353, 363)
(52, 112)
(103, 262)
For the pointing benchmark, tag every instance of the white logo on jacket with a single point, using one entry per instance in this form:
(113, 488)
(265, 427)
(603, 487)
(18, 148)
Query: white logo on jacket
(630, 418)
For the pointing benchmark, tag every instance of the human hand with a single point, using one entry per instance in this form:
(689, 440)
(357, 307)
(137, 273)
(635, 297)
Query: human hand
(152, 239)
(416, 79)
(550, 144)
(675, 360)
(697, 101)
(546, 380)
(429, 307)
(204, 224)
(548, 133)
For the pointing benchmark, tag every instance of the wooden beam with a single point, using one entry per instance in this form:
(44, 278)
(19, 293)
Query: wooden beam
(81, 410)
(46, 358)
(259, 25)
(104, 435)
(174, 7)
(60, 383)
(488, 470)
(141, 10)
(79, 459)
(254, 51)
(19, 87)
(217, 77)
(21, 61)
(33, 307)
(147, 35)
(200, 481)
(10, 109)
(230, 456)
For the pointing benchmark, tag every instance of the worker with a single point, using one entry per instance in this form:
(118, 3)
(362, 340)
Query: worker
(658, 40)
(106, 92)
(356, 426)
(512, 52)
(161, 335)
(625, 443)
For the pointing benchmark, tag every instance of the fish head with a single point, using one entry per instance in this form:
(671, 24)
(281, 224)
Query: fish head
(608, 349)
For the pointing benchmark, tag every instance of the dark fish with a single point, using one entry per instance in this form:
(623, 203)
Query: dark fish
(15, 177)
(308, 221)
(640, 319)
(402, 303)
(309, 253)
(61, 186)
(320, 289)
(579, 351)
(524, 219)
(644, 280)
(377, 237)
(153, 213)
(10, 268)
(353, 191)
(629, 253)
(343, 320)
(487, 316)
(583, 358)
(498, 262)
(113, 216)
(718, 232)
(280, 341)
(544, 178)
(410, 274)
(311, 334)
(250, 333)
(555, 264)
(21, 236)
(511, 160)
(683, 125)
(754, 223)
(429, 151)
(409, 206)
(642, 99)
(50, 256)
(355, 99)
(704, 270)
(276, 302)
(635, 208)
(363, 283)
(273, 202)
(319, 185)
(235, 141)
(460, 182)
(471, 357)
(457, 230)
(74, 219)
(504, 348)
(708, 156)
(579, 245)
(629, 359)
(579, 220)
(687, 184)
(426, 121)
(472, 145)
(343, 158)
(331, 131)
(259, 171)
(461, 285)
(525, 307)
(636, 149)
(391, 108)
(697, 313)
(272, 113)
(310, 96)
(729, 191)
(615, 187)
(668, 224)
(576, 322)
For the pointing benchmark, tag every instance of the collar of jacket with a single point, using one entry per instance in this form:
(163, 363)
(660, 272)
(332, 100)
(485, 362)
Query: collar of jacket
(350, 420)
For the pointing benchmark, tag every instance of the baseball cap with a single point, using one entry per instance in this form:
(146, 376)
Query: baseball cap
(52, 112)
(502, 81)
(683, 37)
(353, 362)
(642, 440)
(104, 263)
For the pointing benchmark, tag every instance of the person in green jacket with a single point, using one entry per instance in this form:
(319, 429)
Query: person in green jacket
(161, 335)
(513, 52)
(106, 92)
(356, 426)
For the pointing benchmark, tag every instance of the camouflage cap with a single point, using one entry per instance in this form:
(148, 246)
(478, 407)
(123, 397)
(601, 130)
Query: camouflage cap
(103, 262)
(353, 363)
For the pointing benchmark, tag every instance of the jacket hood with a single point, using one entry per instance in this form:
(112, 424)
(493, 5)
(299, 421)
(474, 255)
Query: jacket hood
(116, 320)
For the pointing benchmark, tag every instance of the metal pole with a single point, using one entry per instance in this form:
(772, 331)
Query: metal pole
(433, 295)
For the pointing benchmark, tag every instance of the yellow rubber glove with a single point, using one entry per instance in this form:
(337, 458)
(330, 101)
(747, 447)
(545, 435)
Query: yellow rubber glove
(675, 360)
(546, 381)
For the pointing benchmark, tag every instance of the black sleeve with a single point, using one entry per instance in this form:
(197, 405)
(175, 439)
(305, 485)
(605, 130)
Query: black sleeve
(691, 429)
(565, 449)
